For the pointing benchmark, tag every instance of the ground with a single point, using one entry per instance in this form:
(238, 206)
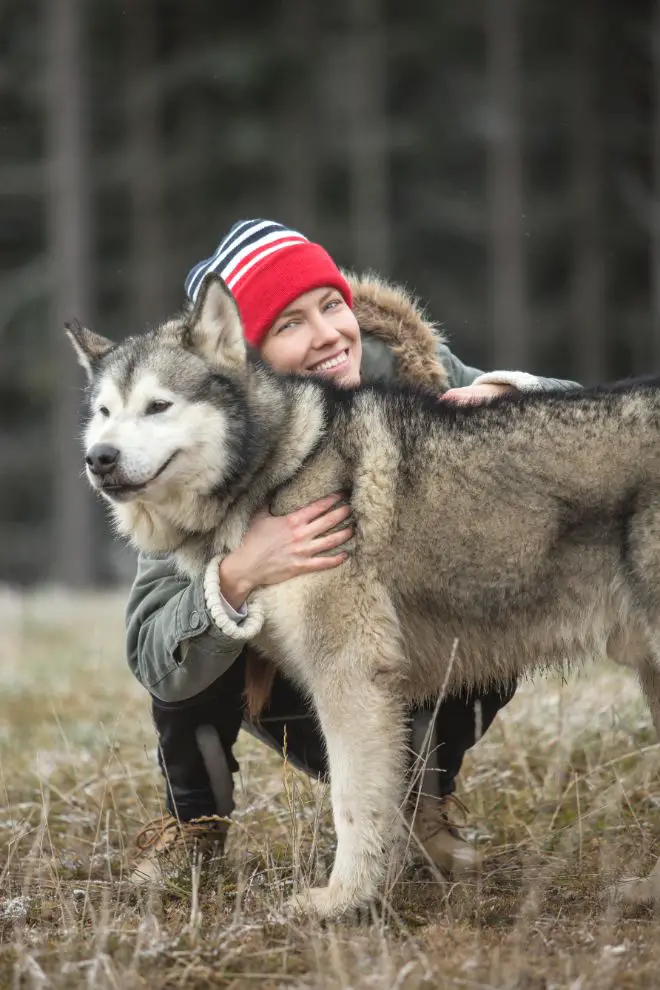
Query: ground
(564, 793)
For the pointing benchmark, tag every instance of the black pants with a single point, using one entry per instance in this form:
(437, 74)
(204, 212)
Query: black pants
(217, 713)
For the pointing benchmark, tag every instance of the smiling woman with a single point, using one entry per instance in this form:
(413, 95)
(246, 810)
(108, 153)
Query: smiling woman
(318, 335)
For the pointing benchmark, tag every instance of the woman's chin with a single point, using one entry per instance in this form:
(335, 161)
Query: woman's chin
(350, 378)
(346, 377)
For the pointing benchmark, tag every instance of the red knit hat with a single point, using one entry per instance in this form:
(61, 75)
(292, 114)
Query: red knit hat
(267, 266)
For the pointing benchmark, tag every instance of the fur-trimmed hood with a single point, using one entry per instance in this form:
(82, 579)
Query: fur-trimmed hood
(398, 341)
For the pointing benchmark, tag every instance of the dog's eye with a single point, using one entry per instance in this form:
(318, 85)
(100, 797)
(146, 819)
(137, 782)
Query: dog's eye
(157, 406)
(104, 411)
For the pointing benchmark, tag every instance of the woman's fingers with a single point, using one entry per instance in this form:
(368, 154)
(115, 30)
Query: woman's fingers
(332, 540)
(306, 515)
(324, 563)
(327, 521)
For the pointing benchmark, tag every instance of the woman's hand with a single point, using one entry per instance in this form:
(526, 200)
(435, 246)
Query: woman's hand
(474, 394)
(277, 548)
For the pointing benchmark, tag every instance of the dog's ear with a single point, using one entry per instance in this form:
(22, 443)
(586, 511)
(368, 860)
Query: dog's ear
(90, 347)
(215, 330)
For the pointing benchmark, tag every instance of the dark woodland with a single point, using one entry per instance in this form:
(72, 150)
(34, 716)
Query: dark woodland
(502, 159)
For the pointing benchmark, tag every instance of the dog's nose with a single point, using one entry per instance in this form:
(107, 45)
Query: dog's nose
(102, 458)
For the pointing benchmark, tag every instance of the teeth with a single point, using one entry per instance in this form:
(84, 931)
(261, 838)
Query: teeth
(331, 363)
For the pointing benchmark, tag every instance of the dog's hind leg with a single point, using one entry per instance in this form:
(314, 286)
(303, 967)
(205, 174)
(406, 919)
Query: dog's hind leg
(649, 677)
(643, 890)
(635, 647)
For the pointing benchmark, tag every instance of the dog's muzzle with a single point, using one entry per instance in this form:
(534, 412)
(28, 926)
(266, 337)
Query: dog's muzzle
(102, 459)
(103, 467)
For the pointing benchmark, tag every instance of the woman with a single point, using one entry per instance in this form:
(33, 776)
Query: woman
(303, 316)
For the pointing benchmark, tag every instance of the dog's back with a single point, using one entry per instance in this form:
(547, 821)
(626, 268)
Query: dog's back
(511, 530)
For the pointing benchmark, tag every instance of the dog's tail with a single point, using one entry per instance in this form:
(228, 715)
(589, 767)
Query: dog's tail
(259, 678)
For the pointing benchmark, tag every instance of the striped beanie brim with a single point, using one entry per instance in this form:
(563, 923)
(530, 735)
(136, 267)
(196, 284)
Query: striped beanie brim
(266, 266)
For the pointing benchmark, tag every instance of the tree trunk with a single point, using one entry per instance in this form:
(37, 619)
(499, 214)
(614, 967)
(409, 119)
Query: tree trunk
(151, 296)
(368, 145)
(588, 286)
(508, 316)
(655, 212)
(297, 122)
(70, 246)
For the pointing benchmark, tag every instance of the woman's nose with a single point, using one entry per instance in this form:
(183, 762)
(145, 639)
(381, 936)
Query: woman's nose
(324, 330)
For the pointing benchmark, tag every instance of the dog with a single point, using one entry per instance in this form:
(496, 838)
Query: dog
(489, 541)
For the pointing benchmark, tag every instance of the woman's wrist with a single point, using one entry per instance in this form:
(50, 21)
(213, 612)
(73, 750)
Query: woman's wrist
(234, 586)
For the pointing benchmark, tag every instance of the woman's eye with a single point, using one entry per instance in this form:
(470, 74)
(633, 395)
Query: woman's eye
(104, 411)
(286, 326)
(157, 406)
(332, 303)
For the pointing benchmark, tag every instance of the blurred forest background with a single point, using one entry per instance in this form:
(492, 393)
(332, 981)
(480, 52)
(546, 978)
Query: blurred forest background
(502, 158)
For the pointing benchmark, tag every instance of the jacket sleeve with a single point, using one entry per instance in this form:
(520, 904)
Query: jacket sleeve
(173, 647)
(460, 375)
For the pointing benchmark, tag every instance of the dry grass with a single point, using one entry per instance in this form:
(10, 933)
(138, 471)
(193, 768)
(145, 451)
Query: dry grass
(564, 792)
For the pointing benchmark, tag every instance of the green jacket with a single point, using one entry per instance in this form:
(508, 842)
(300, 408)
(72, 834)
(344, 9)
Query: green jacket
(173, 647)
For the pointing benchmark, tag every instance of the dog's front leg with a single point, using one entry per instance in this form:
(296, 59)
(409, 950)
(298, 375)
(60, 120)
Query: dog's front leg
(364, 728)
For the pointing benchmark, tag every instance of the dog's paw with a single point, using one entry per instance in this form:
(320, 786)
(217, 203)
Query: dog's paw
(641, 891)
(324, 903)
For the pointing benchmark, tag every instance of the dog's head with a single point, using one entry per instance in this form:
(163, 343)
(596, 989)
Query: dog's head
(166, 409)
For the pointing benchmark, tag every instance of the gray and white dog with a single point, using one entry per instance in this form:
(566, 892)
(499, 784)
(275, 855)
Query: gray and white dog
(489, 541)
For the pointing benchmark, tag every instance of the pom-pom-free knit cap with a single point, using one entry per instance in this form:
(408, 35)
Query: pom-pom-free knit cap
(266, 266)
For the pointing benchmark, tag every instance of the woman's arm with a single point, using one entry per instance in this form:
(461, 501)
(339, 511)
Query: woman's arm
(461, 375)
(175, 646)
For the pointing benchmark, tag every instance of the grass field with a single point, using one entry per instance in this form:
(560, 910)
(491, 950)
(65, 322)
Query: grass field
(565, 798)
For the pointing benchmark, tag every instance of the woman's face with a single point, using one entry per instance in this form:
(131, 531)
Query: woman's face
(317, 334)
